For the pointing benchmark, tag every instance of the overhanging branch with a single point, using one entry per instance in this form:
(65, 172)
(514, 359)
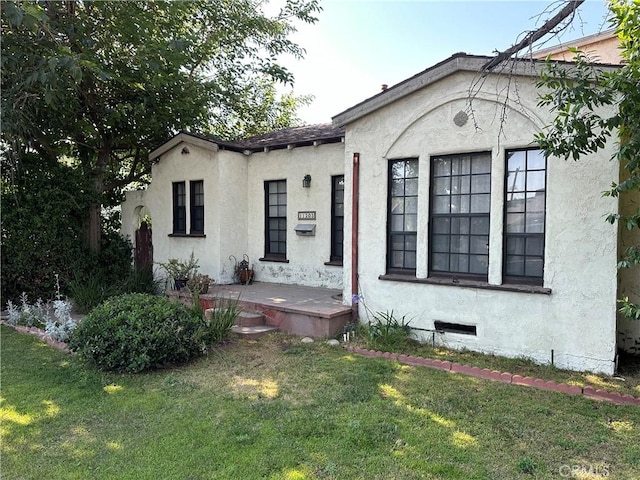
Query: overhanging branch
(535, 35)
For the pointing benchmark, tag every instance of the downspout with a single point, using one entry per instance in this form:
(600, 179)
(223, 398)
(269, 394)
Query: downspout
(355, 192)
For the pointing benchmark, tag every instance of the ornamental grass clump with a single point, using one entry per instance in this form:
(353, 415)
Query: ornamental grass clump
(136, 332)
(386, 332)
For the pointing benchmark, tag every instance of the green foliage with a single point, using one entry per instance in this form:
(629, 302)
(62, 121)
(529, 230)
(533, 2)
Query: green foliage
(386, 332)
(136, 332)
(179, 269)
(593, 105)
(526, 465)
(79, 79)
(218, 322)
(42, 225)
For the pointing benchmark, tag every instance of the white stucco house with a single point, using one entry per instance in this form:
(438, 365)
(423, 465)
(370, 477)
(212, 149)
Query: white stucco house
(414, 201)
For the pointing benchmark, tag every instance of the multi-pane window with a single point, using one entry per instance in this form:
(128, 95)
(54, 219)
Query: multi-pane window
(276, 219)
(179, 208)
(337, 218)
(524, 216)
(459, 217)
(196, 200)
(402, 216)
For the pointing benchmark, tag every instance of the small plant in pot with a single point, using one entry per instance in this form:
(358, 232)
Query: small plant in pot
(181, 271)
(199, 283)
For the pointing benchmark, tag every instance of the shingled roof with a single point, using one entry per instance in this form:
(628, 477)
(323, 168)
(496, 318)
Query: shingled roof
(296, 136)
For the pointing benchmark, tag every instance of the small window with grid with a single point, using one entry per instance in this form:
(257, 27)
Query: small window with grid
(402, 224)
(196, 189)
(524, 225)
(276, 219)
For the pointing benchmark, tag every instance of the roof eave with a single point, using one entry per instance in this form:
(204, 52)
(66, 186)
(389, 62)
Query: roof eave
(186, 138)
(456, 63)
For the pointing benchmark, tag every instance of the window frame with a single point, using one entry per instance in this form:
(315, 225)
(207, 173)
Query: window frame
(391, 234)
(511, 279)
(179, 210)
(434, 216)
(269, 254)
(337, 221)
(196, 210)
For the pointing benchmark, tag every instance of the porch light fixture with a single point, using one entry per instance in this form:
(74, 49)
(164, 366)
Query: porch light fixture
(306, 181)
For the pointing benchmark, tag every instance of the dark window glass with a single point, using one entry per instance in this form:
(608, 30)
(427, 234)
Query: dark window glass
(276, 218)
(196, 189)
(337, 218)
(459, 217)
(402, 223)
(179, 208)
(525, 216)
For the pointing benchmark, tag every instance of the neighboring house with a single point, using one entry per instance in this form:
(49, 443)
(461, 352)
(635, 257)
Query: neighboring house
(603, 47)
(462, 224)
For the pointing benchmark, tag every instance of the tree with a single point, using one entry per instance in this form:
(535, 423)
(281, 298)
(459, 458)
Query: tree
(581, 126)
(581, 97)
(104, 82)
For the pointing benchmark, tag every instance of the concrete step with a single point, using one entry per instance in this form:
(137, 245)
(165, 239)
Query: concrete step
(250, 319)
(253, 332)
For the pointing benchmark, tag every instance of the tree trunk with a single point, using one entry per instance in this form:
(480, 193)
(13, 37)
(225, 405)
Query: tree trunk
(94, 219)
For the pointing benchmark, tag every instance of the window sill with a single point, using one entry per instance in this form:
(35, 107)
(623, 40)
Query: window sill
(188, 235)
(335, 263)
(273, 259)
(467, 284)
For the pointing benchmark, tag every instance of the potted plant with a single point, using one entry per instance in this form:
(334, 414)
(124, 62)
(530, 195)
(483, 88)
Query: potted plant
(242, 272)
(199, 283)
(181, 271)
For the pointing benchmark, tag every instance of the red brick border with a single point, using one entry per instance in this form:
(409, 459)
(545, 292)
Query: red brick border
(504, 377)
(36, 332)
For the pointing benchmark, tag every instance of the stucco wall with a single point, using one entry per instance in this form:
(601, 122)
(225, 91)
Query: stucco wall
(577, 320)
(234, 210)
(306, 255)
(224, 179)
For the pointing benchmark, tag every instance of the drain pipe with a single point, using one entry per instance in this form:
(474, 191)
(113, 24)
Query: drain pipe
(355, 193)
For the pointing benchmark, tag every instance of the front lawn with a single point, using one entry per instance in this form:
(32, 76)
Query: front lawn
(283, 410)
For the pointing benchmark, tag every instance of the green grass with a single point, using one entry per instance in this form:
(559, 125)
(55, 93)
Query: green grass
(626, 382)
(279, 409)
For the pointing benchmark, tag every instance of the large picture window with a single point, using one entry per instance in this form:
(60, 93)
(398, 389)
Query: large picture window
(196, 189)
(337, 218)
(525, 216)
(276, 219)
(459, 215)
(402, 216)
(179, 208)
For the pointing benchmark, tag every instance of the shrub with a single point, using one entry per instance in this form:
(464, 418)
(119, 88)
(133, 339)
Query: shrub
(137, 332)
(387, 332)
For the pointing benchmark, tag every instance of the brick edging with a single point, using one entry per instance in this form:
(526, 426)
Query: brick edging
(496, 376)
(41, 334)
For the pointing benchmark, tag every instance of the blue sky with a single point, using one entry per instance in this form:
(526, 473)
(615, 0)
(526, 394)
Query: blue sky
(357, 45)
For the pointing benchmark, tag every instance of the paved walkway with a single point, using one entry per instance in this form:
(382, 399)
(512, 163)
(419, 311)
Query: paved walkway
(322, 302)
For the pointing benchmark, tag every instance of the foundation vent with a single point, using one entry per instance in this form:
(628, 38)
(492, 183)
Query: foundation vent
(455, 328)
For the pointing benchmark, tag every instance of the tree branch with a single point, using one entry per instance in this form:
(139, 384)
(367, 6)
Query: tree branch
(535, 35)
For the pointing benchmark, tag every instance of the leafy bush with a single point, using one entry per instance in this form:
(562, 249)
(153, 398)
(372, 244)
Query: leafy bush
(386, 332)
(136, 332)
(45, 203)
(43, 209)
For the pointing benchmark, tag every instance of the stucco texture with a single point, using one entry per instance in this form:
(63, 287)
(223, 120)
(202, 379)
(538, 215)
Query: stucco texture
(575, 324)
(234, 210)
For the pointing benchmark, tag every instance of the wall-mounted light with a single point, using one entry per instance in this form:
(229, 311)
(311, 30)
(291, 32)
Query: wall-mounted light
(306, 181)
(185, 151)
